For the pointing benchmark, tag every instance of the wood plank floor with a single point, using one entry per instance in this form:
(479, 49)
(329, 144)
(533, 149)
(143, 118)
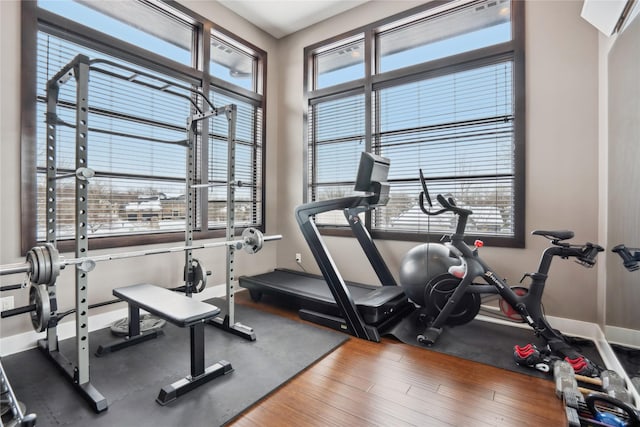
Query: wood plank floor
(394, 384)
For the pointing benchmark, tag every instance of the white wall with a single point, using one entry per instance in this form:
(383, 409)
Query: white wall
(10, 147)
(164, 270)
(561, 153)
(623, 175)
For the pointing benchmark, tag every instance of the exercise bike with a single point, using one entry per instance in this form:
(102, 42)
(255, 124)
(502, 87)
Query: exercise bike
(452, 298)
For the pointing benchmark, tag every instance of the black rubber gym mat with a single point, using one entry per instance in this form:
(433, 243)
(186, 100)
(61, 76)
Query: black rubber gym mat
(486, 342)
(130, 379)
(629, 359)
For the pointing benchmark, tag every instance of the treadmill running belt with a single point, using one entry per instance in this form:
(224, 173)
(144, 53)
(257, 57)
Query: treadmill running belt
(310, 291)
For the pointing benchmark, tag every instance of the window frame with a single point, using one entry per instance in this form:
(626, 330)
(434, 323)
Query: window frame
(34, 19)
(372, 81)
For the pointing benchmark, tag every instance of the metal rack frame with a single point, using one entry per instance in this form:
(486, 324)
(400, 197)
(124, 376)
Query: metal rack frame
(79, 69)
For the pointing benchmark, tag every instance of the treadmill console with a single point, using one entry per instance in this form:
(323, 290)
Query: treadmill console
(372, 176)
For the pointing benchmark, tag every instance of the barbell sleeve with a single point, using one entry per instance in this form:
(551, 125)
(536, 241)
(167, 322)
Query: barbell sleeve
(18, 310)
(18, 267)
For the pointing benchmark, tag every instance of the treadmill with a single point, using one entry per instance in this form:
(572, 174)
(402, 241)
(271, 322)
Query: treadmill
(362, 310)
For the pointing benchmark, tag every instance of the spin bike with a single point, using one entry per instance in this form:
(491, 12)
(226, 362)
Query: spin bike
(453, 298)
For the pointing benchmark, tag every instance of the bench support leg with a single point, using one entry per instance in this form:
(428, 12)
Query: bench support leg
(199, 375)
(196, 336)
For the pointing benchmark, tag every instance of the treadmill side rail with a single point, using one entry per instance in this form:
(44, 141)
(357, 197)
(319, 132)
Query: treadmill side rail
(352, 318)
(369, 248)
(350, 315)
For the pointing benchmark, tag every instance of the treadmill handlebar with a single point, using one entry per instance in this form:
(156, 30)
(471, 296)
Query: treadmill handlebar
(307, 210)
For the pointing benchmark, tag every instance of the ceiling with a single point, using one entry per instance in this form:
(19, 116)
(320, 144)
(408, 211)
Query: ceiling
(282, 17)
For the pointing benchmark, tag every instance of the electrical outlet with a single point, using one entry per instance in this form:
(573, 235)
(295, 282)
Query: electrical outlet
(7, 303)
(298, 258)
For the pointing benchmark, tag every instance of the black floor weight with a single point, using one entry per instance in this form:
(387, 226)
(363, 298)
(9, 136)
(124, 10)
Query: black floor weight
(438, 292)
(40, 316)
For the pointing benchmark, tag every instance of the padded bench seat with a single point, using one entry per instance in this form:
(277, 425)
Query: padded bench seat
(173, 307)
(179, 310)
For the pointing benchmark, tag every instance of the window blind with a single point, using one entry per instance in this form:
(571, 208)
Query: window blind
(336, 139)
(136, 145)
(248, 163)
(459, 129)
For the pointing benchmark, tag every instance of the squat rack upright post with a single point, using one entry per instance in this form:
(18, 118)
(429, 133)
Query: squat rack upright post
(78, 372)
(230, 112)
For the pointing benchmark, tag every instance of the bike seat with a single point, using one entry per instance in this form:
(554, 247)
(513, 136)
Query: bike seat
(554, 235)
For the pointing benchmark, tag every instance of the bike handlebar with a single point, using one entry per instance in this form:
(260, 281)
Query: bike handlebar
(450, 205)
(425, 210)
(589, 253)
(630, 261)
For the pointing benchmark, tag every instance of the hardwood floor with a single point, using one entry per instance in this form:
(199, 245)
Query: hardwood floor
(393, 384)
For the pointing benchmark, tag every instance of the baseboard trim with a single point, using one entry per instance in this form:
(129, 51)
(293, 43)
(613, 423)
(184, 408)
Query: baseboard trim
(623, 336)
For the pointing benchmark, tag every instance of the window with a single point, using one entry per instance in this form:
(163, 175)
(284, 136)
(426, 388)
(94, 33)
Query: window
(143, 87)
(248, 154)
(444, 94)
(340, 64)
(453, 31)
(232, 64)
(338, 133)
(145, 24)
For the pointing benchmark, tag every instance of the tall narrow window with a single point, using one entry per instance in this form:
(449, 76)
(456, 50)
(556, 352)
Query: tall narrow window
(248, 163)
(338, 134)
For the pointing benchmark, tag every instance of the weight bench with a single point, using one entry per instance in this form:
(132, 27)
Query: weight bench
(180, 310)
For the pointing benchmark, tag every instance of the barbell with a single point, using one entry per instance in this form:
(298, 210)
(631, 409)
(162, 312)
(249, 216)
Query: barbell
(43, 263)
(39, 308)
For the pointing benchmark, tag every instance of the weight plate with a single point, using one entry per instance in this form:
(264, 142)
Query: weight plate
(199, 276)
(43, 258)
(40, 317)
(147, 323)
(32, 259)
(253, 240)
(54, 260)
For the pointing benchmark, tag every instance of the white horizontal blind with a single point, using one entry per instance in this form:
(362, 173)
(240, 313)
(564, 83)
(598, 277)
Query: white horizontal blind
(248, 163)
(135, 144)
(336, 139)
(459, 129)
